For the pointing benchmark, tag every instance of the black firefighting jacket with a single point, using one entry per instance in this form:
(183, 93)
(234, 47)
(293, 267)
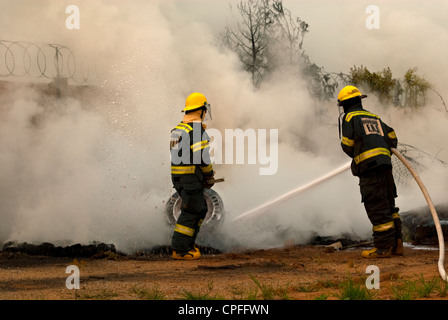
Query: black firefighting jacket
(190, 150)
(366, 139)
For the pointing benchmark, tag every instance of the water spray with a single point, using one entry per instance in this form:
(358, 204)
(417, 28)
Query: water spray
(433, 212)
(264, 207)
(260, 209)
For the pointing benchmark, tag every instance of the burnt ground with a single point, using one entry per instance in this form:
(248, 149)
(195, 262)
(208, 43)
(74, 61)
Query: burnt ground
(293, 272)
(297, 272)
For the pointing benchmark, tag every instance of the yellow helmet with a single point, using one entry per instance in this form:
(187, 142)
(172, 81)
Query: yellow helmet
(195, 101)
(349, 92)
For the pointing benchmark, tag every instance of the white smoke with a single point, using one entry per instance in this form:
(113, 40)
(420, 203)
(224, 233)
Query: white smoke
(98, 168)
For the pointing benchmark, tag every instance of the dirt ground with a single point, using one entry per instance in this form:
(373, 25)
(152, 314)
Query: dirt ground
(292, 273)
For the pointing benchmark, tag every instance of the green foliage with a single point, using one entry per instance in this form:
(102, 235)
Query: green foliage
(267, 38)
(354, 291)
(410, 290)
(306, 288)
(145, 294)
(415, 88)
(268, 291)
(322, 84)
(381, 83)
(408, 92)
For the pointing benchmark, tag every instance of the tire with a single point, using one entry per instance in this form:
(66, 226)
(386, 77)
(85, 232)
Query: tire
(209, 235)
(214, 214)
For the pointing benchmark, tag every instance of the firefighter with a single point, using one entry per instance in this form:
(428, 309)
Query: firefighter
(368, 141)
(191, 172)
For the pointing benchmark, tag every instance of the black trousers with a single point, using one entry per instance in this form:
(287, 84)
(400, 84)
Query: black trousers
(378, 193)
(193, 211)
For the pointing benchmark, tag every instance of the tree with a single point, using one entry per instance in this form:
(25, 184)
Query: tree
(288, 34)
(268, 38)
(381, 83)
(409, 92)
(322, 84)
(250, 37)
(414, 89)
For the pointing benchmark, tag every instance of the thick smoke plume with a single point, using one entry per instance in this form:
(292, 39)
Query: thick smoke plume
(96, 167)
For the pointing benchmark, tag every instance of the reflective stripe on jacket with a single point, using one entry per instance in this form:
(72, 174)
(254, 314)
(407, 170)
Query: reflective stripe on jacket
(190, 150)
(367, 140)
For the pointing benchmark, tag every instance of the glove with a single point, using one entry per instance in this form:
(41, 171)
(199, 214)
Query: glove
(208, 184)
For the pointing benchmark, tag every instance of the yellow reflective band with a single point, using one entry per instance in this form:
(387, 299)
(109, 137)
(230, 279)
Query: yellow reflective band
(392, 135)
(182, 169)
(350, 115)
(396, 215)
(184, 230)
(184, 126)
(371, 153)
(200, 145)
(207, 169)
(348, 142)
(383, 227)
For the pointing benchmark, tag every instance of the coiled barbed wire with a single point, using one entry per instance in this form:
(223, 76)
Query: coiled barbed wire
(41, 60)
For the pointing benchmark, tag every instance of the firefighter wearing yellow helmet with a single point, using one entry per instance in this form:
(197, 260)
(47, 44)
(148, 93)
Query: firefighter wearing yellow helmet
(196, 101)
(191, 172)
(367, 140)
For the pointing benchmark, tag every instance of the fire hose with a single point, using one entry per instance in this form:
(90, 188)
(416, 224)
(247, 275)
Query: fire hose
(260, 209)
(431, 208)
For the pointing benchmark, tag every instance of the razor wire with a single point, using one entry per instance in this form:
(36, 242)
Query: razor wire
(41, 60)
